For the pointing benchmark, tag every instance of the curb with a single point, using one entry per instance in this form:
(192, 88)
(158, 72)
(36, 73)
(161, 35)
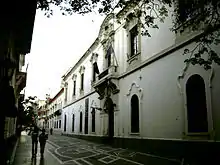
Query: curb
(11, 161)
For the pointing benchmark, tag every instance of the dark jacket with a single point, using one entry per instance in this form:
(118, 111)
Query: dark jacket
(43, 138)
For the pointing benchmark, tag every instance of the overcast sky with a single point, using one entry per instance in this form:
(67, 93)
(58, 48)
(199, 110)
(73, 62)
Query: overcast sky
(57, 44)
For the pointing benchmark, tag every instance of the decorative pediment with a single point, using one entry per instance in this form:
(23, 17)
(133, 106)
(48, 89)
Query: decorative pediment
(93, 104)
(65, 84)
(80, 108)
(105, 24)
(82, 69)
(94, 57)
(135, 89)
(74, 77)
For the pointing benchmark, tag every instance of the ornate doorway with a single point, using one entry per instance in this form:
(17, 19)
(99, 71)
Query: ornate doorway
(109, 108)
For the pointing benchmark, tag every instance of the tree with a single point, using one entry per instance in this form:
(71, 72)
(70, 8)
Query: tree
(29, 115)
(189, 14)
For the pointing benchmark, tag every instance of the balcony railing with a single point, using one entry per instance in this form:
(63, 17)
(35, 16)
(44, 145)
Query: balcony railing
(103, 74)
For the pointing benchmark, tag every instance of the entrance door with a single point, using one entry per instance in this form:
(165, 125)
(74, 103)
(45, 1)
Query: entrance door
(110, 108)
(65, 123)
(196, 105)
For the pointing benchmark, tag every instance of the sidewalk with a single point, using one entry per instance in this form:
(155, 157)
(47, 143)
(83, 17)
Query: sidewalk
(23, 154)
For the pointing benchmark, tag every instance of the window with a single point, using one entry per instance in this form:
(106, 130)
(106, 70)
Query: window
(60, 124)
(196, 105)
(74, 87)
(73, 122)
(109, 56)
(82, 81)
(66, 91)
(95, 71)
(80, 123)
(93, 119)
(134, 41)
(134, 114)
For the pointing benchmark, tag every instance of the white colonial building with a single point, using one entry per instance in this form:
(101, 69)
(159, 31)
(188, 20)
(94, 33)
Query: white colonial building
(136, 87)
(41, 111)
(54, 111)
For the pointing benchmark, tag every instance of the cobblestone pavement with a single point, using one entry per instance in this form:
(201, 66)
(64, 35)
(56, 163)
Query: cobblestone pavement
(72, 151)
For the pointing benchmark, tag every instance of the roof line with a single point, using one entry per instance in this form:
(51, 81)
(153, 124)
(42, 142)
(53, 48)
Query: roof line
(60, 91)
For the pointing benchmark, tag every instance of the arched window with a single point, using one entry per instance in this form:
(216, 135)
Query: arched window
(196, 105)
(73, 122)
(80, 123)
(65, 123)
(135, 114)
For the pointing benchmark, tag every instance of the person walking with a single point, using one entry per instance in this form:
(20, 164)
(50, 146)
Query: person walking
(34, 137)
(42, 139)
(51, 131)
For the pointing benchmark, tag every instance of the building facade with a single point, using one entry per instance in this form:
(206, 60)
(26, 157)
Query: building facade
(129, 86)
(54, 111)
(16, 35)
(42, 114)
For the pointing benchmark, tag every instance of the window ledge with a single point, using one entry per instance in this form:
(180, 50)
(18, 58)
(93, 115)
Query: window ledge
(133, 58)
(81, 91)
(135, 134)
(198, 134)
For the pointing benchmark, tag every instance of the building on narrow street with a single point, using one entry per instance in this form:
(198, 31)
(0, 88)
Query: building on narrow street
(137, 90)
(54, 111)
(17, 21)
(42, 114)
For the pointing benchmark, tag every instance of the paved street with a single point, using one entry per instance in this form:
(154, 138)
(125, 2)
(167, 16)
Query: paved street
(23, 153)
(71, 151)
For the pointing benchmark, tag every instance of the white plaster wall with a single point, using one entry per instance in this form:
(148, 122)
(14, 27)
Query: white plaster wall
(75, 109)
(160, 39)
(162, 113)
(87, 75)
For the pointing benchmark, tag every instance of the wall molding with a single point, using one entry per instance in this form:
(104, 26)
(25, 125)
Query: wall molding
(79, 99)
(138, 88)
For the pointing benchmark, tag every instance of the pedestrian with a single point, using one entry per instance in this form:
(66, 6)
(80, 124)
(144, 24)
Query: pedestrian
(42, 139)
(35, 141)
(51, 131)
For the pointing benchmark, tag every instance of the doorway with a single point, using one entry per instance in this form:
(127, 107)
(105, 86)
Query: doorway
(110, 109)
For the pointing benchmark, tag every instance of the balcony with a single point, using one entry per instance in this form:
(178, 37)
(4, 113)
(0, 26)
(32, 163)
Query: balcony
(58, 112)
(108, 79)
(20, 81)
(103, 74)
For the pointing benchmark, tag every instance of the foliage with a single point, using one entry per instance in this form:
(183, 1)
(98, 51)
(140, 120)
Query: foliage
(193, 15)
(28, 115)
